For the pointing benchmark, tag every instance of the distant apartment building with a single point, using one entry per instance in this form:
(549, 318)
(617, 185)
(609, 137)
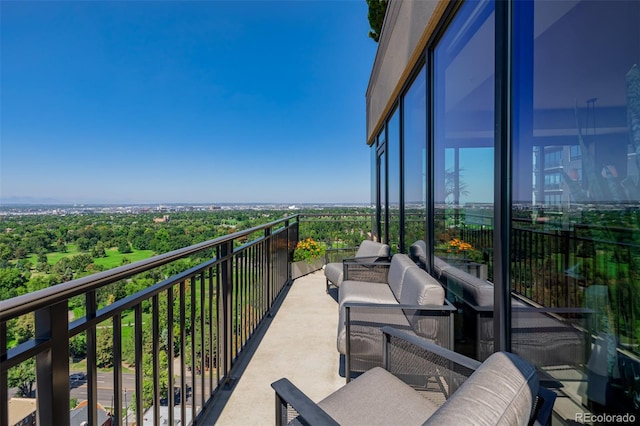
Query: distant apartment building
(163, 219)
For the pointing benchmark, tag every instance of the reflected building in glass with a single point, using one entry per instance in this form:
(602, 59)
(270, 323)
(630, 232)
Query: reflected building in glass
(505, 138)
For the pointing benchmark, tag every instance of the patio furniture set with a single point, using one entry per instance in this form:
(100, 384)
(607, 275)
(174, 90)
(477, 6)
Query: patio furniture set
(396, 333)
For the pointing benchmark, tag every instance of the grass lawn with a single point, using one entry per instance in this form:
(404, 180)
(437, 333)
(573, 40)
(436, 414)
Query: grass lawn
(114, 257)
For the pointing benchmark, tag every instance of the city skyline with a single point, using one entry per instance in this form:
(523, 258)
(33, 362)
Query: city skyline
(184, 102)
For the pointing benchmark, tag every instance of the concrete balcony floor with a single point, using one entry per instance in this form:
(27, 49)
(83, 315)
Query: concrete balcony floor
(299, 343)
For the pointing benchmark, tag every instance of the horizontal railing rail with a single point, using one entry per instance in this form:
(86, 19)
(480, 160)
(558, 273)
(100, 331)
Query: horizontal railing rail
(197, 321)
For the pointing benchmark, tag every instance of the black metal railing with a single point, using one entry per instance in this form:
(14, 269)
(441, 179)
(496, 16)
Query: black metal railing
(188, 329)
(341, 233)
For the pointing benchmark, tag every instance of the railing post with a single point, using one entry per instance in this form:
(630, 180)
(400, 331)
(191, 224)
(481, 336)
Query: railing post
(4, 378)
(226, 272)
(288, 228)
(52, 365)
(269, 255)
(92, 371)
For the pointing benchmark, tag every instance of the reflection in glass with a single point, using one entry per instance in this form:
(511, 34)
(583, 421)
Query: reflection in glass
(575, 217)
(393, 153)
(464, 141)
(415, 160)
(382, 195)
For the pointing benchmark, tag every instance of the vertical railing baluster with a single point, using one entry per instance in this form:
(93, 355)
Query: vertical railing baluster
(193, 345)
(91, 307)
(4, 378)
(211, 339)
(183, 358)
(117, 369)
(236, 311)
(170, 356)
(202, 346)
(52, 365)
(138, 357)
(219, 326)
(155, 356)
(267, 237)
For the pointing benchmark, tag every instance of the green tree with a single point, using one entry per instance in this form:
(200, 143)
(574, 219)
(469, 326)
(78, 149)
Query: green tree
(78, 347)
(23, 328)
(23, 376)
(123, 246)
(11, 280)
(104, 348)
(377, 9)
(5, 251)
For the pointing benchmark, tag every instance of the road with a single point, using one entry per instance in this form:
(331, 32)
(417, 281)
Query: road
(78, 388)
(105, 388)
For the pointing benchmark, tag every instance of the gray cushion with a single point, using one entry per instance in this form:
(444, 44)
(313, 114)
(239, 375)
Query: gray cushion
(377, 397)
(362, 292)
(334, 273)
(420, 288)
(400, 263)
(365, 292)
(472, 289)
(502, 391)
(372, 249)
(418, 253)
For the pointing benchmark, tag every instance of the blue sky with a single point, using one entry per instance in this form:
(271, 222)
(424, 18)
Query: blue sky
(206, 101)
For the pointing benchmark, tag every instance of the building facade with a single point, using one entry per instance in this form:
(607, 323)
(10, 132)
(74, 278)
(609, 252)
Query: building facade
(506, 136)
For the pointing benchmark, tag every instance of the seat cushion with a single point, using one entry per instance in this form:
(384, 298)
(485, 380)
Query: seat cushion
(334, 273)
(364, 292)
(502, 391)
(377, 397)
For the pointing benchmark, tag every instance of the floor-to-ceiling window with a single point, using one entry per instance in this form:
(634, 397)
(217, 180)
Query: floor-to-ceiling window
(393, 177)
(381, 189)
(414, 131)
(575, 234)
(463, 150)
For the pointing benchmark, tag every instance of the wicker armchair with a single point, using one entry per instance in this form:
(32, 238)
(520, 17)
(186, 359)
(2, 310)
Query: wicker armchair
(368, 252)
(423, 383)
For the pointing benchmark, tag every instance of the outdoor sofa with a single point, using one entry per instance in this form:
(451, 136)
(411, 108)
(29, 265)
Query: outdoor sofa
(368, 252)
(424, 384)
(544, 336)
(395, 293)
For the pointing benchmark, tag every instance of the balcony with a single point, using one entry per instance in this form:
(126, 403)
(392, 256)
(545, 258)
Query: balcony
(254, 322)
(220, 310)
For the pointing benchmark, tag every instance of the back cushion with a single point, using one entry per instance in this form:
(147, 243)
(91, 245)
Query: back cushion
(502, 391)
(420, 288)
(372, 249)
(400, 263)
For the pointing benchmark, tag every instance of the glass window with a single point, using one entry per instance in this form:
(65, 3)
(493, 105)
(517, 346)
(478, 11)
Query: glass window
(575, 218)
(463, 161)
(374, 192)
(381, 167)
(415, 160)
(393, 153)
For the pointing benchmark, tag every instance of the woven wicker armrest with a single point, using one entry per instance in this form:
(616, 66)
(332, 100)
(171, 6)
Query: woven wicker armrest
(376, 272)
(292, 404)
(408, 356)
(367, 259)
(363, 335)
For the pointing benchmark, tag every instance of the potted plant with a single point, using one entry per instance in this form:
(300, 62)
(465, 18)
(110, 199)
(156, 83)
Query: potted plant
(308, 257)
